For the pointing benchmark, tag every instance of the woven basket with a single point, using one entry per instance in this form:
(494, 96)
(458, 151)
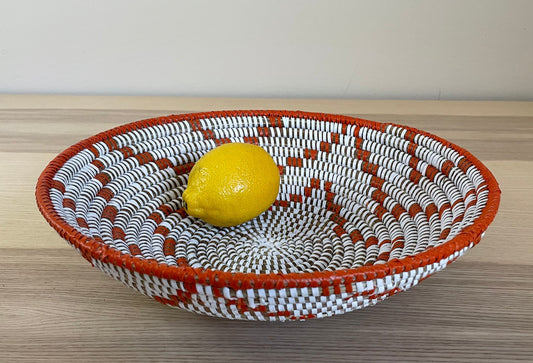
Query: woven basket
(365, 210)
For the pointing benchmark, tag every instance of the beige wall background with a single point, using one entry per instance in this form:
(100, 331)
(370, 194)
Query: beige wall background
(443, 49)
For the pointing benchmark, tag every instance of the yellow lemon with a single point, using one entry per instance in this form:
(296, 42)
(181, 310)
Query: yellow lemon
(231, 184)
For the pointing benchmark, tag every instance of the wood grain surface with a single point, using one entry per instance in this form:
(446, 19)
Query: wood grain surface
(55, 307)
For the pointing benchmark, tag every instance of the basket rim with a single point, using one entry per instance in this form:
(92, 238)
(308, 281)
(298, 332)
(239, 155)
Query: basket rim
(91, 249)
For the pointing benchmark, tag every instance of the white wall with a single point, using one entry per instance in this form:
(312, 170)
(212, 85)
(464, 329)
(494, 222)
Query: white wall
(443, 49)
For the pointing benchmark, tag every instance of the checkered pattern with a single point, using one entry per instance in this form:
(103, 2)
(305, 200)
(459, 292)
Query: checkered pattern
(365, 210)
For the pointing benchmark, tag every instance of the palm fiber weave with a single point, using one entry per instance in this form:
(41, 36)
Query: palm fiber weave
(365, 210)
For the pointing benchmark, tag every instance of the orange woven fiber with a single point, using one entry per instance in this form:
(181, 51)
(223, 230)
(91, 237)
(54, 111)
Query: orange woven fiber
(365, 210)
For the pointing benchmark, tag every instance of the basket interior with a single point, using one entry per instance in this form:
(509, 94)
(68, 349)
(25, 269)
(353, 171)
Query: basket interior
(353, 192)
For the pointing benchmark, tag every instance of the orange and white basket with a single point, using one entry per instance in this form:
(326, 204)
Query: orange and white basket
(365, 210)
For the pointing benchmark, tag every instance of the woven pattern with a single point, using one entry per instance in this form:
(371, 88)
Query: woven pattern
(365, 210)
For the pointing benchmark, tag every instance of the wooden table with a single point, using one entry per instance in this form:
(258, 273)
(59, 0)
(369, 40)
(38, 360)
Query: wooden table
(55, 306)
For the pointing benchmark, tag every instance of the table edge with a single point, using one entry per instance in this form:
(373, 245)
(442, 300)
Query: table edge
(201, 104)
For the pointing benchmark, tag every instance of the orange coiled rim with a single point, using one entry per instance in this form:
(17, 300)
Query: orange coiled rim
(93, 249)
